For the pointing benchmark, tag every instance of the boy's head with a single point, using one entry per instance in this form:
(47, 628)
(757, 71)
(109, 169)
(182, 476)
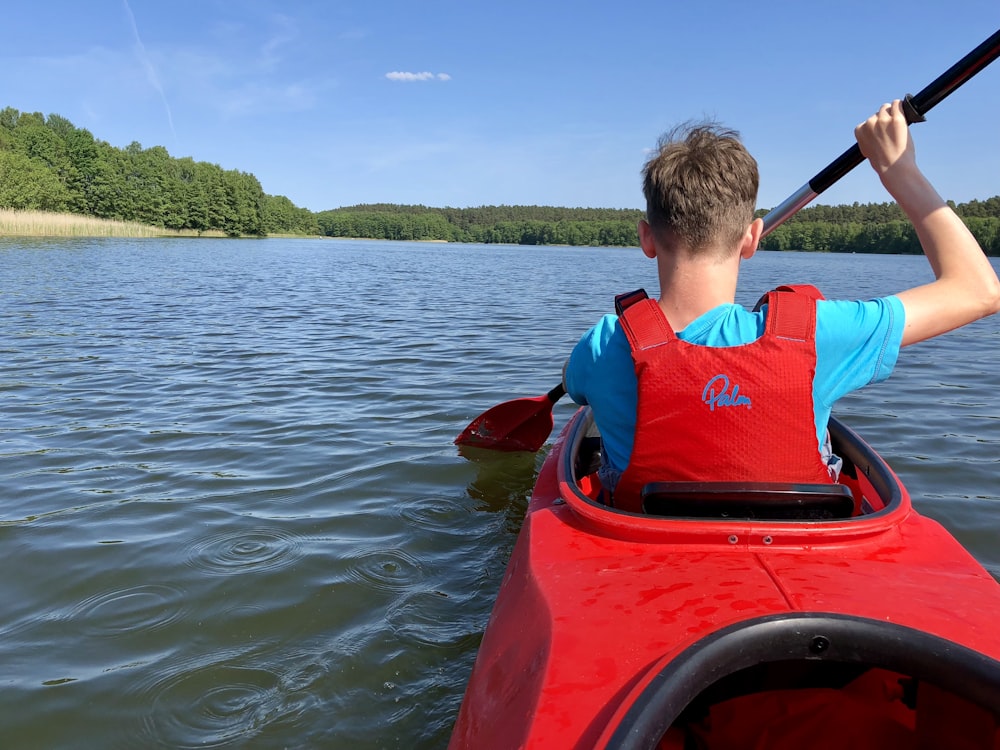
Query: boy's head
(701, 188)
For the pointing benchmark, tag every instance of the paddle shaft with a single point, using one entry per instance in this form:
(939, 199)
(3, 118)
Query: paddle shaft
(917, 106)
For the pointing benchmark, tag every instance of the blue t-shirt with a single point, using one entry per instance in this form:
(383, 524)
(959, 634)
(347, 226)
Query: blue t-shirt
(857, 343)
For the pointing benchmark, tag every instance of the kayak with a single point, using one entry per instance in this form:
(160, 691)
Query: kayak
(735, 616)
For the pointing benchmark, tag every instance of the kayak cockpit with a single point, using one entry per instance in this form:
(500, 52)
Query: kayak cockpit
(867, 495)
(813, 680)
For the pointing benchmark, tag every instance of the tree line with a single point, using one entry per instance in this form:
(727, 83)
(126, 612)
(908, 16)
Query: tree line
(876, 228)
(858, 228)
(513, 225)
(48, 164)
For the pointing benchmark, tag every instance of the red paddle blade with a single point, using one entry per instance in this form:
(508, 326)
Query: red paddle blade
(523, 424)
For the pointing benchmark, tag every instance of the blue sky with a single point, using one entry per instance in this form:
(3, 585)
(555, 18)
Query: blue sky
(468, 103)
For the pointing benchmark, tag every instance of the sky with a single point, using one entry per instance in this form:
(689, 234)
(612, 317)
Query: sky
(469, 103)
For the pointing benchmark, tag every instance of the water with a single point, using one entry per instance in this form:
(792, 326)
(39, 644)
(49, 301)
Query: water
(231, 513)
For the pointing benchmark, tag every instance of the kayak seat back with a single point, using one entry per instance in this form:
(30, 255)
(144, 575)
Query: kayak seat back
(748, 500)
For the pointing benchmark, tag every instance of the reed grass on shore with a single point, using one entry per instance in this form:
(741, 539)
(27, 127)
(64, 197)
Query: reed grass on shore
(48, 224)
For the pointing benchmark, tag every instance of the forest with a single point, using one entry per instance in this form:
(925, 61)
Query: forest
(859, 228)
(48, 164)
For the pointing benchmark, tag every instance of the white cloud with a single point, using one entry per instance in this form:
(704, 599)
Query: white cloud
(284, 34)
(398, 75)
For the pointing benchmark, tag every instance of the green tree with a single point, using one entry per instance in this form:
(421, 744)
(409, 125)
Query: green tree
(28, 186)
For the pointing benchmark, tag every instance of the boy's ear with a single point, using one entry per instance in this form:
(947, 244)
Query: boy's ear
(751, 239)
(646, 241)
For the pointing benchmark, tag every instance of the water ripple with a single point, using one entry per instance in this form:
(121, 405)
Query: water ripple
(433, 514)
(385, 569)
(433, 618)
(145, 607)
(210, 706)
(242, 551)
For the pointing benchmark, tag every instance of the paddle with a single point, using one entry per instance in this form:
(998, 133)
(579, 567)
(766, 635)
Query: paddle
(519, 425)
(916, 107)
(524, 424)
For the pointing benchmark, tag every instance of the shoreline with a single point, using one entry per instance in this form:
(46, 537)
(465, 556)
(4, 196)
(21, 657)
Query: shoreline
(16, 223)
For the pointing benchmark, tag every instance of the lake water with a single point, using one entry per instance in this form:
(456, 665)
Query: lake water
(231, 512)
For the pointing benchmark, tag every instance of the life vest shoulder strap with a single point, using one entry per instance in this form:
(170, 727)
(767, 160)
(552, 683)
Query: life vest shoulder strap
(807, 290)
(791, 315)
(642, 320)
(791, 311)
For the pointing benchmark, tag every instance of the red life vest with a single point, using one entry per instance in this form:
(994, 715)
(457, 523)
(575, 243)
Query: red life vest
(728, 414)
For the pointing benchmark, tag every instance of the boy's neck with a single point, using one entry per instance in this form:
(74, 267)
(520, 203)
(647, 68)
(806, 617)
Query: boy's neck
(690, 287)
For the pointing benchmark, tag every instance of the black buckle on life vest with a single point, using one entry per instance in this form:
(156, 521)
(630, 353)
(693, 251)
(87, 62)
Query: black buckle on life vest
(625, 301)
(807, 289)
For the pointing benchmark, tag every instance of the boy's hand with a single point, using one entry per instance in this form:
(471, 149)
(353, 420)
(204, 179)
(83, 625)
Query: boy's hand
(966, 287)
(884, 139)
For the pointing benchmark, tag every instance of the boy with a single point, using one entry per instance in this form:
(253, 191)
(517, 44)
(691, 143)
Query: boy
(735, 395)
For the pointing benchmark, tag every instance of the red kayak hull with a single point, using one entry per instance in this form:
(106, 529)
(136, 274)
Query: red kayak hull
(596, 605)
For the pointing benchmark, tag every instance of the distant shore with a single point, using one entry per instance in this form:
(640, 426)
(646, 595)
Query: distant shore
(50, 224)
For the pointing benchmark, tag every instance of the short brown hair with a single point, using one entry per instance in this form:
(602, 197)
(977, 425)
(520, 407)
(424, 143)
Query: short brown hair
(700, 186)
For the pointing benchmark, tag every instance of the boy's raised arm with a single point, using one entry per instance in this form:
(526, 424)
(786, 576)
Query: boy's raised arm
(966, 286)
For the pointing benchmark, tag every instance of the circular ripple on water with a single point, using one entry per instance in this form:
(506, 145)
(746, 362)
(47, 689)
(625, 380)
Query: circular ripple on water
(241, 551)
(434, 513)
(137, 608)
(388, 569)
(212, 706)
